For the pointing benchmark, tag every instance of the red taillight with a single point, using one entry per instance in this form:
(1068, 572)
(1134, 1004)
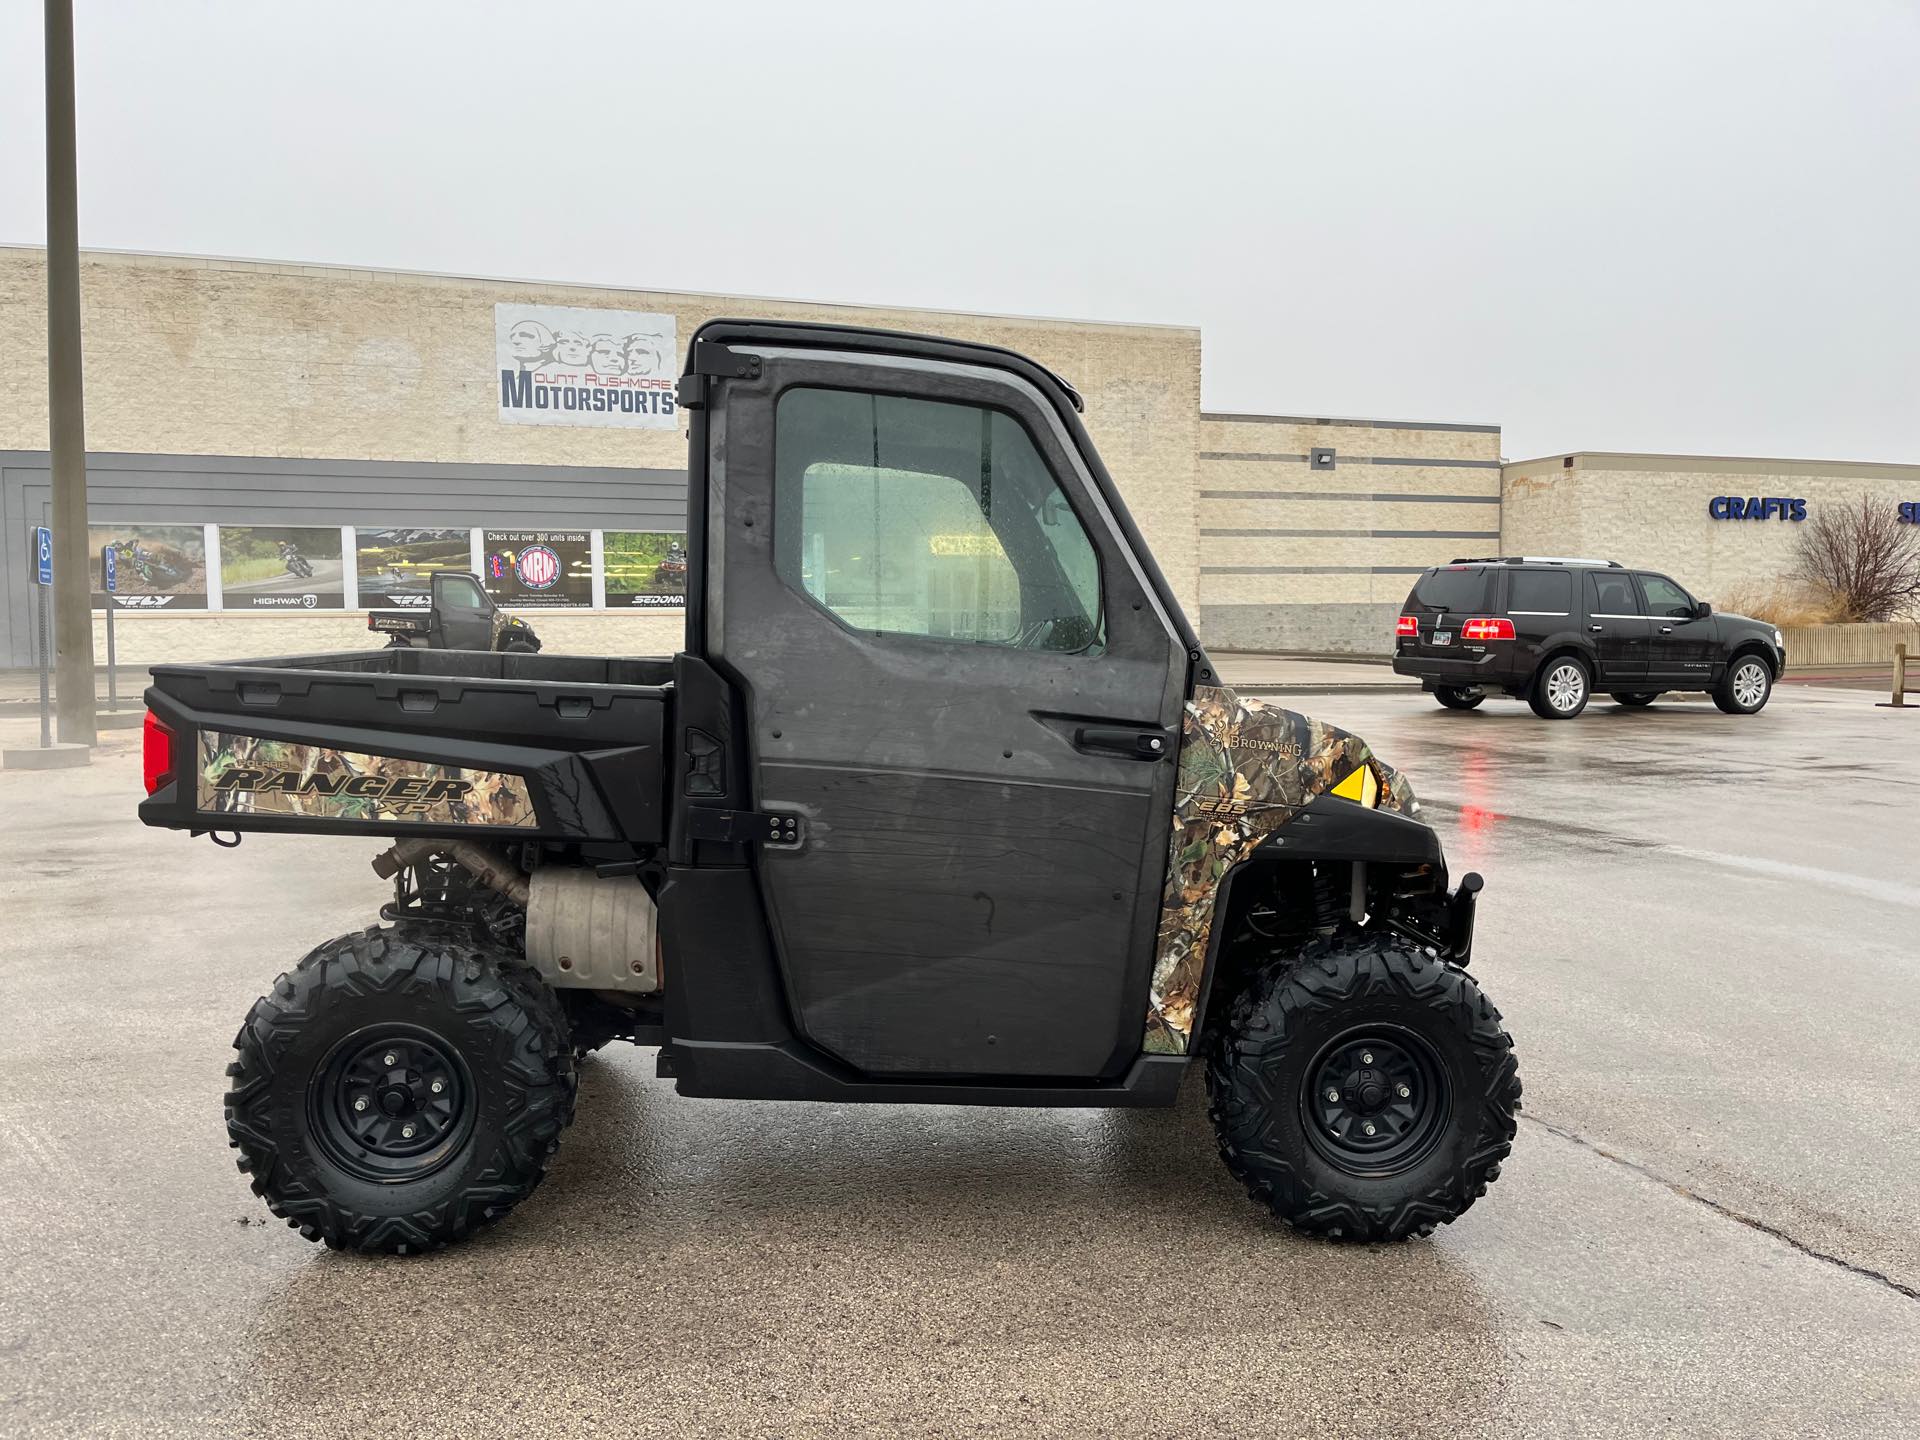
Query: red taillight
(1487, 630)
(1409, 625)
(156, 753)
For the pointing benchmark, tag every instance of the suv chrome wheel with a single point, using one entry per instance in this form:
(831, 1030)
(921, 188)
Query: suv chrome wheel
(1745, 687)
(1566, 687)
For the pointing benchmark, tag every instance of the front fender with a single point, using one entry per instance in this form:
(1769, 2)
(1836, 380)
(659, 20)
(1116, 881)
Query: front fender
(1248, 769)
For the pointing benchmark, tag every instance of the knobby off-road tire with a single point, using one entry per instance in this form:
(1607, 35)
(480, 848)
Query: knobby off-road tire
(1459, 697)
(1637, 700)
(464, 1062)
(1299, 1032)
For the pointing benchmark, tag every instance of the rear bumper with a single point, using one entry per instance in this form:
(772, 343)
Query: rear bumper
(1432, 670)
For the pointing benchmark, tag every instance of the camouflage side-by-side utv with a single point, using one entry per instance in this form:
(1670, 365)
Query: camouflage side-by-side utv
(942, 801)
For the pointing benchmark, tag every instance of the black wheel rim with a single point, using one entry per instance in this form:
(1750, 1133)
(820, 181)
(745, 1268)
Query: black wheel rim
(1377, 1100)
(392, 1103)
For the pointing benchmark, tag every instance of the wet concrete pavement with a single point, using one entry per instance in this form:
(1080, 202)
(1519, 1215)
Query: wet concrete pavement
(1705, 935)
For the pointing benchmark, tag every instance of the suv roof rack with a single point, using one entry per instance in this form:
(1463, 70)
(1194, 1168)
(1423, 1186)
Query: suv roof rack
(1531, 560)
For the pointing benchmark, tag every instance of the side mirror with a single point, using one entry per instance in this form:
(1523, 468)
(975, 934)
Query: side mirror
(1701, 609)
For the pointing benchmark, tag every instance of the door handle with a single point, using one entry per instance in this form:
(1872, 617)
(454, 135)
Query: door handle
(1666, 629)
(1596, 629)
(1122, 740)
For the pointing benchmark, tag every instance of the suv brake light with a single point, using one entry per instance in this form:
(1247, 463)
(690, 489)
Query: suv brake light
(1483, 629)
(156, 753)
(1409, 625)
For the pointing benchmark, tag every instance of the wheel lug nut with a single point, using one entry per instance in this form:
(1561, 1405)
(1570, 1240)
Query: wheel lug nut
(361, 1103)
(390, 1059)
(406, 1131)
(1366, 1057)
(1404, 1092)
(1333, 1096)
(440, 1085)
(1370, 1129)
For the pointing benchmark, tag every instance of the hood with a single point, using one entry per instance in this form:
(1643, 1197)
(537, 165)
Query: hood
(1247, 767)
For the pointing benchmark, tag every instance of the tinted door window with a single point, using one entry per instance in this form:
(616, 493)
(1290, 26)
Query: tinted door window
(1665, 598)
(1611, 592)
(1451, 589)
(919, 517)
(1540, 592)
(457, 592)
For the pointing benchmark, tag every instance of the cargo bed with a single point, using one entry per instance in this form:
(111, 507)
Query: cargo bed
(414, 742)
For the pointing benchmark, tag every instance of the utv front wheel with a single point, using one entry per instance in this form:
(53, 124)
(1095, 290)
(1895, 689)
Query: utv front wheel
(398, 1090)
(1365, 1091)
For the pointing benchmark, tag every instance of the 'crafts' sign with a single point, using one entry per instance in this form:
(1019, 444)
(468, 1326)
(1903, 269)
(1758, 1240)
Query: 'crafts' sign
(1756, 507)
(563, 365)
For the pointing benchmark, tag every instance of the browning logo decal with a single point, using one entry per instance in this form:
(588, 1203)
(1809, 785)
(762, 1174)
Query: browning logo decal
(1246, 767)
(245, 775)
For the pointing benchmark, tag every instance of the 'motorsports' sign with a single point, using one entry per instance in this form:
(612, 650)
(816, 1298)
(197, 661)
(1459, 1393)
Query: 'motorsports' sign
(563, 365)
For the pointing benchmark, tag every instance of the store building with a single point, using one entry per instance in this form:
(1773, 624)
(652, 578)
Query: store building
(275, 447)
(1727, 528)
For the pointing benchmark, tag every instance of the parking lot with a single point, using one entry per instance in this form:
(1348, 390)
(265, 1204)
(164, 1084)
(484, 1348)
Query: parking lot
(1704, 933)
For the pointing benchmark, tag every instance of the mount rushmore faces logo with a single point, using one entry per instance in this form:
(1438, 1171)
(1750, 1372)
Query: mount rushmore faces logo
(562, 365)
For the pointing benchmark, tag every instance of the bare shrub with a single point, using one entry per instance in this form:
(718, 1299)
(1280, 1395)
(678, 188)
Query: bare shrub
(1781, 602)
(1863, 557)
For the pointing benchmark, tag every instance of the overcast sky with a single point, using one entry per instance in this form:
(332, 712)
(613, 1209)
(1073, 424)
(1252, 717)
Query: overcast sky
(1616, 225)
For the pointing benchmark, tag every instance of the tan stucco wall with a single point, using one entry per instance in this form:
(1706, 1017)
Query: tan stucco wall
(1336, 589)
(1651, 511)
(190, 356)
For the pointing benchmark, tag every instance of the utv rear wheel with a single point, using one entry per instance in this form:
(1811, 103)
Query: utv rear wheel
(398, 1090)
(1459, 697)
(1637, 700)
(1561, 689)
(1745, 687)
(1364, 1092)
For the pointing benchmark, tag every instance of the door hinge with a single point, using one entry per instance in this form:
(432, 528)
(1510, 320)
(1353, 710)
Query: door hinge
(707, 362)
(776, 831)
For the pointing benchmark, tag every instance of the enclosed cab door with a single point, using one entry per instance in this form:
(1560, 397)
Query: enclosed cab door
(462, 613)
(960, 684)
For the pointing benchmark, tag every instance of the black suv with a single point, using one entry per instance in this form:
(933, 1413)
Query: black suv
(1552, 630)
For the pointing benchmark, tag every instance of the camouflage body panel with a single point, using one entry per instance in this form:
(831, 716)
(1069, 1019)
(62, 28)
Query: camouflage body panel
(1246, 769)
(246, 775)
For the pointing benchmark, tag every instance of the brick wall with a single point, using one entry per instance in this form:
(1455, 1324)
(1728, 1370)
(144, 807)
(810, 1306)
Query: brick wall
(1294, 557)
(1651, 511)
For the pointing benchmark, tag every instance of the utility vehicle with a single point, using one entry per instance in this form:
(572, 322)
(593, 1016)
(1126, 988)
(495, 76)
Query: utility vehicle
(459, 615)
(943, 801)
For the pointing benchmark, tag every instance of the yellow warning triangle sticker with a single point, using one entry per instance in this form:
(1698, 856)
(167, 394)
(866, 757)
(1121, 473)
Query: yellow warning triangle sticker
(1360, 787)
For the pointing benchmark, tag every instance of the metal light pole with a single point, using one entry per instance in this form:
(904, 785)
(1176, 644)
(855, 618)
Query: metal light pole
(67, 428)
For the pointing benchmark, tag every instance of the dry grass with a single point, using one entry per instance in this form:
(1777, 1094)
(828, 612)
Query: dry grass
(1784, 603)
